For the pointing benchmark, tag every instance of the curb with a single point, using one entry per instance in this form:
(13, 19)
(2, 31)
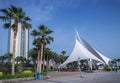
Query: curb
(16, 80)
(21, 79)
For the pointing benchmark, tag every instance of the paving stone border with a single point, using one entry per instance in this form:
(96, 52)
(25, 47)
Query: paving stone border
(16, 80)
(21, 79)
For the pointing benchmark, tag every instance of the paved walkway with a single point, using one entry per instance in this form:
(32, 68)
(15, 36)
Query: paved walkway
(74, 77)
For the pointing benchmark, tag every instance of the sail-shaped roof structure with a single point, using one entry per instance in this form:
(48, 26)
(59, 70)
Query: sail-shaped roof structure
(84, 50)
(93, 50)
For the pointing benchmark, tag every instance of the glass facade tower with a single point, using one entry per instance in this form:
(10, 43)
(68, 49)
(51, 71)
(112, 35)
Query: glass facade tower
(21, 41)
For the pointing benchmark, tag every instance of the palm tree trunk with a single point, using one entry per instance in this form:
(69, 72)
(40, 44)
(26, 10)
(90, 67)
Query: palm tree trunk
(43, 63)
(13, 57)
(34, 62)
(47, 64)
(41, 58)
(38, 61)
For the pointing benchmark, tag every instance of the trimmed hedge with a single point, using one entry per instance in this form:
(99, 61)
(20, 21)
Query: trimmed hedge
(108, 69)
(9, 76)
(26, 73)
(1, 74)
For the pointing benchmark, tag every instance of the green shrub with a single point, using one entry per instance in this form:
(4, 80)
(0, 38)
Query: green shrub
(1, 74)
(116, 68)
(19, 75)
(44, 73)
(108, 69)
(119, 68)
(7, 76)
(27, 72)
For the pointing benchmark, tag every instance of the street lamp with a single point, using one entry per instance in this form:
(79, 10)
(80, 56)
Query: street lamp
(79, 67)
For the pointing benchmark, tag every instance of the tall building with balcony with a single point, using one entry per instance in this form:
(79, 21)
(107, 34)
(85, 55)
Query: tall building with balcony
(21, 48)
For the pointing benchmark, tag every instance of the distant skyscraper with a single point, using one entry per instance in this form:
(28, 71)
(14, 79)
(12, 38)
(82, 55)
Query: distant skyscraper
(21, 48)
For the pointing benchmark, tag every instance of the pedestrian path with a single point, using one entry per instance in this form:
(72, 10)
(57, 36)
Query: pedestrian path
(98, 77)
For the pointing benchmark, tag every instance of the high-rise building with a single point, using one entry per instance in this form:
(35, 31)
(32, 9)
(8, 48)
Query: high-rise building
(21, 48)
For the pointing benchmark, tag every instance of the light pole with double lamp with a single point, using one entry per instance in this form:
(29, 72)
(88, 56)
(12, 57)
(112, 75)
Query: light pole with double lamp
(79, 68)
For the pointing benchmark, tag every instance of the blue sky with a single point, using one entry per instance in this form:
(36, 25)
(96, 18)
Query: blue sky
(97, 21)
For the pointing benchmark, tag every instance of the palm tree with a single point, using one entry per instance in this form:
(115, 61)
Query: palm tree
(8, 56)
(63, 52)
(5, 62)
(20, 60)
(48, 54)
(43, 38)
(13, 16)
(36, 43)
(2, 59)
(62, 56)
(33, 55)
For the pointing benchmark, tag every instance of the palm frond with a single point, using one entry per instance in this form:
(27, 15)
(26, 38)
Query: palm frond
(7, 25)
(6, 14)
(37, 42)
(35, 33)
(26, 25)
(4, 18)
(50, 38)
(27, 18)
(49, 31)
(13, 9)
(4, 11)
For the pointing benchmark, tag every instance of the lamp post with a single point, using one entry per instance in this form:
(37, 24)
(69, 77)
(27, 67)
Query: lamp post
(79, 67)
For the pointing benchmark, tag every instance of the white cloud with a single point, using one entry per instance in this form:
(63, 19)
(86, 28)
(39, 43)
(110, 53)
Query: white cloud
(42, 10)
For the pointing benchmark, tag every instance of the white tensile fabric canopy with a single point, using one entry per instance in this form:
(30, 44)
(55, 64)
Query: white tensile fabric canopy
(83, 50)
(97, 53)
(106, 59)
(94, 51)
